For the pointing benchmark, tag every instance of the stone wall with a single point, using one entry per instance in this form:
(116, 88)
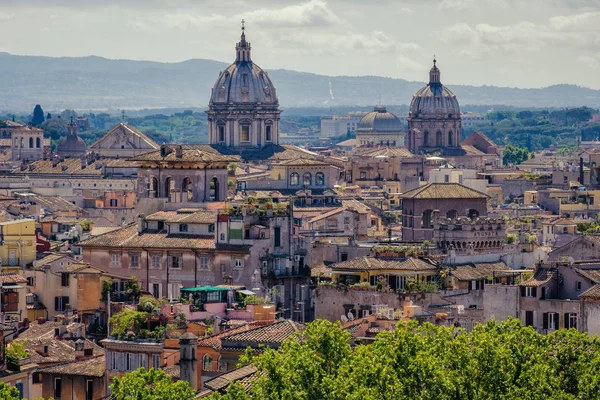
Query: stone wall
(501, 302)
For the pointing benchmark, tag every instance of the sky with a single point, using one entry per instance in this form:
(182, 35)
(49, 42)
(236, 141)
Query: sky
(514, 43)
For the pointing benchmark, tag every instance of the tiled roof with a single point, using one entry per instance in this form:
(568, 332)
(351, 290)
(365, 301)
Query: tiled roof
(321, 271)
(80, 266)
(443, 191)
(59, 351)
(274, 333)
(130, 128)
(189, 153)
(273, 152)
(12, 277)
(477, 271)
(365, 263)
(471, 150)
(46, 330)
(539, 278)
(6, 328)
(72, 166)
(173, 371)
(592, 293)
(242, 375)
(52, 203)
(91, 367)
(42, 262)
(384, 152)
(302, 162)
(592, 274)
(214, 341)
(563, 221)
(179, 216)
(327, 214)
(128, 237)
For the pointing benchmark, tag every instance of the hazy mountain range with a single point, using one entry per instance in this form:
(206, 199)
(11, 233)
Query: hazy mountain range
(86, 83)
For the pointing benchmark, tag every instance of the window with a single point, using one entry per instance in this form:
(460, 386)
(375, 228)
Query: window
(156, 292)
(528, 292)
(204, 263)
(277, 236)
(113, 202)
(578, 286)
(550, 321)
(222, 365)
(57, 388)
(363, 174)
(570, 320)
(245, 135)
(222, 236)
(346, 220)
(332, 223)
(221, 133)
(31, 143)
(268, 133)
(206, 363)
(176, 261)
(89, 390)
(155, 361)
(344, 257)
(238, 263)
(319, 179)
(211, 228)
(38, 143)
(566, 179)
(294, 179)
(446, 178)
(135, 260)
(161, 225)
(307, 179)
(64, 279)
(156, 261)
(116, 259)
(528, 318)
(60, 303)
(183, 227)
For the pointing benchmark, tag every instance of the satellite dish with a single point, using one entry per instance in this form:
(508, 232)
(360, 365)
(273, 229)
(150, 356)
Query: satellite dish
(343, 319)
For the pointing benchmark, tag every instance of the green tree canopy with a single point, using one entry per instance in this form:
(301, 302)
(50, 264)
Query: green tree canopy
(514, 154)
(8, 392)
(38, 115)
(426, 362)
(153, 384)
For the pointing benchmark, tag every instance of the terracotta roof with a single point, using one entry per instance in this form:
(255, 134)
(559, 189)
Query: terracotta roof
(273, 334)
(277, 152)
(592, 293)
(132, 129)
(539, 278)
(477, 271)
(128, 237)
(46, 330)
(591, 274)
(443, 191)
(347, 143)
(563, 221)
(72, 166)
(320, 271)
(365, 263)
(173, 371)
(384, 152)
(12, 277)
(51, 203)
(189, 153)
(302, 162)
(243, 375)
(6, 328)
(181, 216)
(214, 341)
(471, 150)
(59, 351)
(91, 367)
(327, 214)
(42, 262)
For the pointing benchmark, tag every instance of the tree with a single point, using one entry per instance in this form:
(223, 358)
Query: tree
(514, 154)
(133, 288)
(231, 168)
(8, 392)
(125, 322)
(15, 351)
(38, 116)
(48, 116)
(153, 384)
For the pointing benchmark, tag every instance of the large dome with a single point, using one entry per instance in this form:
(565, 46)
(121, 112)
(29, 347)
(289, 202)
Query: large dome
(379, 120)
(243, 82)
(434, 101)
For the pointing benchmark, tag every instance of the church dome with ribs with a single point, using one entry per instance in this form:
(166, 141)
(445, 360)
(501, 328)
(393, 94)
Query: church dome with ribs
(434, 101)
(243, 82)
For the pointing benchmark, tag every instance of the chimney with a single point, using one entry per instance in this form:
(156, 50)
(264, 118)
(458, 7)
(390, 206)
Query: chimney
(188, 362)
(581, 170)
(54, 161)
(79, 349)
(141, 223)
(83, 163)
(178, 151)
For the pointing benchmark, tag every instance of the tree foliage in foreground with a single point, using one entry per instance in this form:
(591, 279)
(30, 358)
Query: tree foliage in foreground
(426, 362)
(153, 384)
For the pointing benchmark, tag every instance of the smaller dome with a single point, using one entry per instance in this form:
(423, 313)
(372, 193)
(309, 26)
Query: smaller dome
(379, 120)
(72, 144)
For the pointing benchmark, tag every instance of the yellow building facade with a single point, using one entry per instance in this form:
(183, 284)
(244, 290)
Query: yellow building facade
(17, 244)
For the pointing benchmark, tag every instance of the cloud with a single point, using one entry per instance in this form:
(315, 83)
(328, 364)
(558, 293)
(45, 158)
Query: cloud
(405, 63)
(590, 61)
(6, 16)
(577, 22)
(459, 5)
(313, 12)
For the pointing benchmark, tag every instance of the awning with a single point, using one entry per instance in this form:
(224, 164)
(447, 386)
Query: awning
(246, 292)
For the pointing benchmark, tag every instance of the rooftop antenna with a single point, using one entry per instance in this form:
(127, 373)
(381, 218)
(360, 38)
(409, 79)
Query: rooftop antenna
(123, 115)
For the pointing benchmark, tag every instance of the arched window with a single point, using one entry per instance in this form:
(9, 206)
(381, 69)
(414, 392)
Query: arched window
(268, 133)
(168, 187)
(426, 139)
(450, 139)
(222, 365)
(438, 138)
(214, 189)
(187, 189)
(319, 179)
(153, 188)
(206, 363)
(426, 221)
(31, 143)
(473, 213)
(38, 143)
(245, 133)
(221, 133)
(451, 214)
(294, 179)
(307, 179)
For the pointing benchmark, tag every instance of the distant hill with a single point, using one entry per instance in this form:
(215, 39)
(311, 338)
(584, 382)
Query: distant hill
(85, 83)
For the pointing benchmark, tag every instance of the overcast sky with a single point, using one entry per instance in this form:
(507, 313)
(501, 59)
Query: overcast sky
(517, 43)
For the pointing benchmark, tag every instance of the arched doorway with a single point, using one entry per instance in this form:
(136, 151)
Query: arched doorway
(214, 189)
(187, 190)
(168, 187)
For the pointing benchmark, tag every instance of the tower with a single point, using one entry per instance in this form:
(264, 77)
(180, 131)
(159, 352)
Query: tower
(188, 363)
